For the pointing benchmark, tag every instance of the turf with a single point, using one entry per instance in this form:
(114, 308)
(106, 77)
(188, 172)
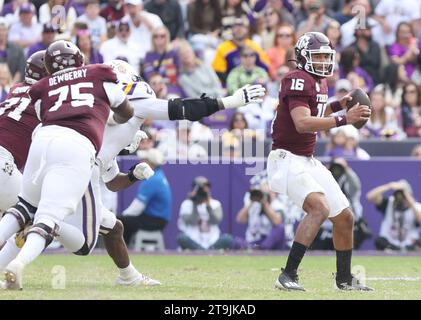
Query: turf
(213, 277)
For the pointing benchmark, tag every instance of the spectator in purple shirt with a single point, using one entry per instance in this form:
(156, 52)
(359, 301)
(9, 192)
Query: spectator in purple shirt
(405, 50)
(47, 37)
(162, 58)
(349, 68)
(84, 42)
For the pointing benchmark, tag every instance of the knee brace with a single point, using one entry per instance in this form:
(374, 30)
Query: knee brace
(192, 109)
(44, 231)
(23, 212)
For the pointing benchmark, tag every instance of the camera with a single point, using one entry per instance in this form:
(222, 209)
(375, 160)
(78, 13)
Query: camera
(201, 195)
(256, 195)
(399, 202)
(337, 170)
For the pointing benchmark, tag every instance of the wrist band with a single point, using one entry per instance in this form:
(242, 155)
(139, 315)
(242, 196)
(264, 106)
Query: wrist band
(335, 106)
(130, 174)
(340, 121)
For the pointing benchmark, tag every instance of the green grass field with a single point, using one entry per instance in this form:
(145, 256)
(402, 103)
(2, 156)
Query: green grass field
(214, 277)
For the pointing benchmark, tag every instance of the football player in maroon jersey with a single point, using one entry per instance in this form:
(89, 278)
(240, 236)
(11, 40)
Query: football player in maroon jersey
(292, 170)
(73, 104)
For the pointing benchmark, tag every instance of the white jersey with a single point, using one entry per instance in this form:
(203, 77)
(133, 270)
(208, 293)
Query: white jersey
(116, 137)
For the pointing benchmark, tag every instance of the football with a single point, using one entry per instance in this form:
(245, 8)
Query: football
(358, 96)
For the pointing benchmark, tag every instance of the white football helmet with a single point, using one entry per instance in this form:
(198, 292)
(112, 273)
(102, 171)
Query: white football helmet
(124, 71)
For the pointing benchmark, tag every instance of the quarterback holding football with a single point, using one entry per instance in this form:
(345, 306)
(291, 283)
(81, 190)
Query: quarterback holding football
(292, 170)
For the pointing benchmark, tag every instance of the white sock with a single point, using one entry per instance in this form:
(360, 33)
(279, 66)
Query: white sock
(128, 271)
(8, 253)
(33, 247)
(70, 237)
(8, 227)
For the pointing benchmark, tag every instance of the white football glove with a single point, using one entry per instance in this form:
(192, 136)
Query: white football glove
(245, 95)
(143, 171)
(139, 136)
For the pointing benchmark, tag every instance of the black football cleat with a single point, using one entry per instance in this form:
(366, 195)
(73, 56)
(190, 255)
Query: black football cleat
(352, 284)
(288, 282)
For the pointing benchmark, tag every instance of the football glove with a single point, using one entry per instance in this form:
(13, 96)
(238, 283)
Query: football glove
(139, 136)
(245, 95)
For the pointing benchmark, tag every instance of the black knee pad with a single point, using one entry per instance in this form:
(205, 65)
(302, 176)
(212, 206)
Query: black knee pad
(44, 231)
(23, 212)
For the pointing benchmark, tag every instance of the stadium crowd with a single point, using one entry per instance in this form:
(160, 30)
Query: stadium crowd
(189, 47)
(216, 46)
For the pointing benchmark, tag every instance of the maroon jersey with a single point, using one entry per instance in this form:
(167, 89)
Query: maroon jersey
(298, 89)
(76, 99)
(17, 121)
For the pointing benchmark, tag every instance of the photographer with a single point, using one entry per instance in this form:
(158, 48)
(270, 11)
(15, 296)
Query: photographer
(261, 212)
(350, 184)
(199, 217)
(272, 218)
(402, 216)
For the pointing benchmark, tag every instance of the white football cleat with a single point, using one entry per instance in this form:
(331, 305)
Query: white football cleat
(137, 280)
(13, 275)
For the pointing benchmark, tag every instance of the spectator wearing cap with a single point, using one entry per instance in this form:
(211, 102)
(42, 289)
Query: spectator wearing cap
(401, 216)
(227, 55)
(142, 24)
(113, 11)
(162, 59)
(342, 88)
(170, 13)
(344, 143)
(199, 218)
(47, 37)
(65, 25)
(25, 32)
(90, 54)
(122, 45)
(150, 210)
(317, 20)
(196, 77)
(247, 72)
(369, 52)
(11, 53)
(96, 24)
(284, 41)
(231, 10)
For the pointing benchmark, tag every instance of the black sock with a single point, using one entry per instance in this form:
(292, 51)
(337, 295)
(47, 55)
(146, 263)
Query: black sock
(343, 264)
(296, 254)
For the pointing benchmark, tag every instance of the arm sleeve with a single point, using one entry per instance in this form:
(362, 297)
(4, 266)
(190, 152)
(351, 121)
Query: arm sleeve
(110, 171)
(187, 213)
(156, 109)
(135, 208)
(354, 182)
